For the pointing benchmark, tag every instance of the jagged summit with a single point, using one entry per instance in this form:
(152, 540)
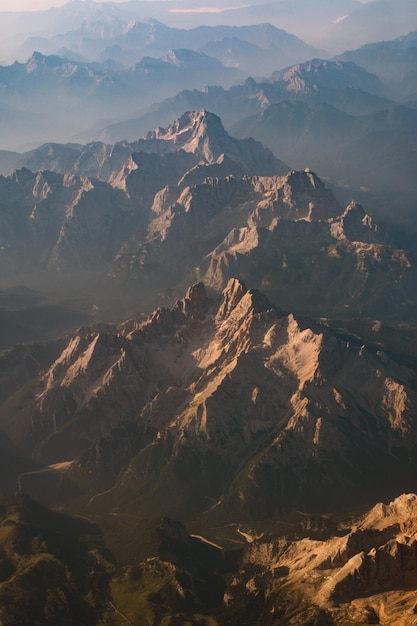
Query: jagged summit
(189, 122)
(226, 383)
(317, 74)
(356, 225)
(200, 132)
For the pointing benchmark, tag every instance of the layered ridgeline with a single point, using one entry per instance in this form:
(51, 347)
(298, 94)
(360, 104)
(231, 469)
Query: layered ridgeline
(85, 78)
(67, 219)
(98, 31)
(355, 116)
(345, 85)
(188, 203)
(246, 47)
(393, 61)
(68, 96)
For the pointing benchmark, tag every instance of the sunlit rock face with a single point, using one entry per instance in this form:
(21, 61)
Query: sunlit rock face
(225, 399)
(365, 574)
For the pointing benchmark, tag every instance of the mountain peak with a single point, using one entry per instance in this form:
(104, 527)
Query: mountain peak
(183, 57)
(306, 188)
(236, 297)
(356, 225)
(200, 132)
(190, 123)
(232, 294)
(195, 303)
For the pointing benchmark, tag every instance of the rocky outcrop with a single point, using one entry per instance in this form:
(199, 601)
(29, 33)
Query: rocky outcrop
(298, 242)
(365, 576)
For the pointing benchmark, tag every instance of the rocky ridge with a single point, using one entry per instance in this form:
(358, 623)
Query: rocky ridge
(59, 221)
(252, 228)
(192, 182)
(199, 133)
(316, 572)
(225, 402)
(67, 220)
(366, 575)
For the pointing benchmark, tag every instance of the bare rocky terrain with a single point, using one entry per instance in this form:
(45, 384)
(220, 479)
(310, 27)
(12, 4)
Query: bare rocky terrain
(208, 375)
(243, 210)
(226, 414)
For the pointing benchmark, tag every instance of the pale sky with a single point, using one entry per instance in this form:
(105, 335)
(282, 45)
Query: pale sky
(35, 5)
(31, 5)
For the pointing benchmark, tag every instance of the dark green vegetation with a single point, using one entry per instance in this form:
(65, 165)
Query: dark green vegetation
(53, 568)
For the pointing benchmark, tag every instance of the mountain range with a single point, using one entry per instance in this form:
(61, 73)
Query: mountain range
(354, 115)
(194, 356)
(191, 181)
(334, 25)
(335, 103)
(208, 366)
(224, 413)
(342, 84)
(268, 433)
(393, 61)
(331, 116)
(111, 69)
(137, 39)
(93, 91)
(348, 143)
